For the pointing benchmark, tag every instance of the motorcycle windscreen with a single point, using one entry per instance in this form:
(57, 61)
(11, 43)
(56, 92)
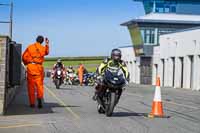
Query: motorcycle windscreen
(114, 78)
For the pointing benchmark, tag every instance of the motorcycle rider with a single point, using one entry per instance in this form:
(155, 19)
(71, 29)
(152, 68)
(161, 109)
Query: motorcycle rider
(70, 69)
(59, 64)
(71, 76)
(114, 61)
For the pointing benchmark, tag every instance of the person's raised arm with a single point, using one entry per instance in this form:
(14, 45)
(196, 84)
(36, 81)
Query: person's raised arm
(46, 46)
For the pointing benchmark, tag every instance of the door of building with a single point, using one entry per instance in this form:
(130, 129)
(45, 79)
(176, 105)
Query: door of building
(146, 70)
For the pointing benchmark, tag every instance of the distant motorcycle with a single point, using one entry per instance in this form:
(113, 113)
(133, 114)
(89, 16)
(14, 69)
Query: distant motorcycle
(114, 81)
(58, 78)
(89, 79)
(72, 79)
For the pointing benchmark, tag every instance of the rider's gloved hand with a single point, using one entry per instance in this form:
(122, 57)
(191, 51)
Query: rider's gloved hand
(128, 79)
(99, 77)
(127, 82)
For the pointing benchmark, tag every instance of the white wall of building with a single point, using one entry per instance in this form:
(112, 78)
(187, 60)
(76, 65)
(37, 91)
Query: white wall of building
(156, 60)
(128, 55)
(180, 53)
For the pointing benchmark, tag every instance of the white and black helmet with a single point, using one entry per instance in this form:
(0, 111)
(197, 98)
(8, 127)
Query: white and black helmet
(116, 54)
(70, 67)
(59, 60)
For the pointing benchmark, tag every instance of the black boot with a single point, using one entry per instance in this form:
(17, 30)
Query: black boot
(40, 103)
(97, 90)
(95, 96)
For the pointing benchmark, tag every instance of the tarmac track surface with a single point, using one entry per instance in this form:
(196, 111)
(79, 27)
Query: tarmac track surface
(71, 109)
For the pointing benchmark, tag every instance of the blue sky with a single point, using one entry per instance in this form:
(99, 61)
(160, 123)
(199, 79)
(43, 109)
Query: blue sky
(75, 27)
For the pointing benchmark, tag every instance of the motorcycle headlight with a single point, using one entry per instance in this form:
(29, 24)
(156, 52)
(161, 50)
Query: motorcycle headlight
(115, 79)
(59, 72)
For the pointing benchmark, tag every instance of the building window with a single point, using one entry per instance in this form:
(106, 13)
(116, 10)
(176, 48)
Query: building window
(152, 36)
(165, 7)
(160, 7)
(142, 33)
(167, 10)
(148, 36)
(173, 9)
(160, 10)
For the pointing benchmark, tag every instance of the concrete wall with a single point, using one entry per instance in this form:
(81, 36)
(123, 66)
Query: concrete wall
(3, 47)
(7, 92)
(180, 53)
(128, 55)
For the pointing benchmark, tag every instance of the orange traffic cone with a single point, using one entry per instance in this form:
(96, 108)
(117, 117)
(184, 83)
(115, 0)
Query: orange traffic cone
(157, 108)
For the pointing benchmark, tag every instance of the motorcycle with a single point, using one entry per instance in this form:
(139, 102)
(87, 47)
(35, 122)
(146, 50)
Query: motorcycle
(114, 81)
(72, 79)
(89, 79)
(58, 79)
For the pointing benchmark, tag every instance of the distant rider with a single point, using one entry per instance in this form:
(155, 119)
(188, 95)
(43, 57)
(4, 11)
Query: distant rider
(114, 61)
(59, 64)
(70, 69)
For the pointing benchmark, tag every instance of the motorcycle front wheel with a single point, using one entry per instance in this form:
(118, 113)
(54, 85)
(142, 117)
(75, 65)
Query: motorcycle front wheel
(57, 83)
(111, 104)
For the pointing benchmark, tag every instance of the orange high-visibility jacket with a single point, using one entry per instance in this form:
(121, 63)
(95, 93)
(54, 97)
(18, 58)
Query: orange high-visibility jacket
(80, 73)
(33, 57)
(81, 70)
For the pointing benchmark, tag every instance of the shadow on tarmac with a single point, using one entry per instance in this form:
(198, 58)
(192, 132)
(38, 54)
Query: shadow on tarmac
(24, 109)
(67, 89)
(128, 114)
(20, 105)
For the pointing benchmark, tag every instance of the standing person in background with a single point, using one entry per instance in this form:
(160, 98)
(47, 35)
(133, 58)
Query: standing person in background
(81, 71)
(33, 58)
